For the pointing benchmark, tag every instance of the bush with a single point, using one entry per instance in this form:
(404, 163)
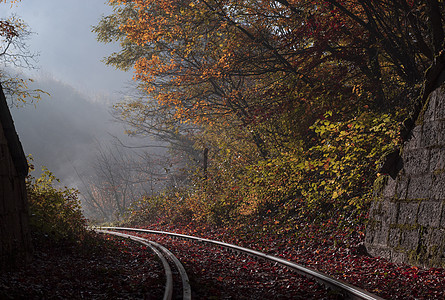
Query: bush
(173, 205)
(54, 212)
(329, 172)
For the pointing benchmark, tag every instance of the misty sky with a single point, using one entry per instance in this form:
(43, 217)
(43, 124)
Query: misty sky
(68, 49)
(63, 130)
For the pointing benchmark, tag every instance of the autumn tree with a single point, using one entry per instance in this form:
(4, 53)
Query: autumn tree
(253, 59)
(121, 176)
(270, 72)
(16, 56)
(114, 185)
(190, 55)
(156, 124)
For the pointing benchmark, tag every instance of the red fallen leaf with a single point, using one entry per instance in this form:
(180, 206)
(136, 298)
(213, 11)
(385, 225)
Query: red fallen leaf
(388, 280)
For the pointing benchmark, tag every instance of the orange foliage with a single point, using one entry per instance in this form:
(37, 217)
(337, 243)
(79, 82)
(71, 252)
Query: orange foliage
(219, 58)
(262, 64)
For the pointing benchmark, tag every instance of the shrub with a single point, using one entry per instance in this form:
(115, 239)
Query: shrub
(328, 172)
(54, 212)
(331, 173)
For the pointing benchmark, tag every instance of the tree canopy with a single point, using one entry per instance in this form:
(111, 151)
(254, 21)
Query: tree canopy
(16, 56)
(307, 81)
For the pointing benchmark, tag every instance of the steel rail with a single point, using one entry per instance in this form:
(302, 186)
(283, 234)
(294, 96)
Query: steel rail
(346, 289)
(168, 293)
(186, 289)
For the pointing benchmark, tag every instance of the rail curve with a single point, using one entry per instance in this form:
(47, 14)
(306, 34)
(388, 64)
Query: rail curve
(347, 290)
(160, 251)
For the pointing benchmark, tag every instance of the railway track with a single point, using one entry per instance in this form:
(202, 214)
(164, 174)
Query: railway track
(164, 255)
(348, 291)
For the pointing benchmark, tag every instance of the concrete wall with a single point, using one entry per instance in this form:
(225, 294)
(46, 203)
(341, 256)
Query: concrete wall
(15, 241)
(407, 218)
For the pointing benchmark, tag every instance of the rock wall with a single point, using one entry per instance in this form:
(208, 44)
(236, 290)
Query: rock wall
(407, 218)
(15, 241)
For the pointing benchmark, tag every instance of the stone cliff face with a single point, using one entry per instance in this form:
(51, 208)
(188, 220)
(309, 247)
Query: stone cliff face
(407, 217)
(15, 241)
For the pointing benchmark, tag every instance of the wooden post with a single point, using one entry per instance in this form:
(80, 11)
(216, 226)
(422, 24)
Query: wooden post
(205, 162)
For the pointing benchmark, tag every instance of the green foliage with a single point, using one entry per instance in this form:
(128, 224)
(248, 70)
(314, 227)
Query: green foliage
(334, 171)
(331, 173)
(145, 210)
(174, 205)
(54, 212)
(343, 165)
(295, 123)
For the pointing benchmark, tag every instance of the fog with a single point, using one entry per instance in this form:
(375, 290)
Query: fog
(67, 47)
(63, 130)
